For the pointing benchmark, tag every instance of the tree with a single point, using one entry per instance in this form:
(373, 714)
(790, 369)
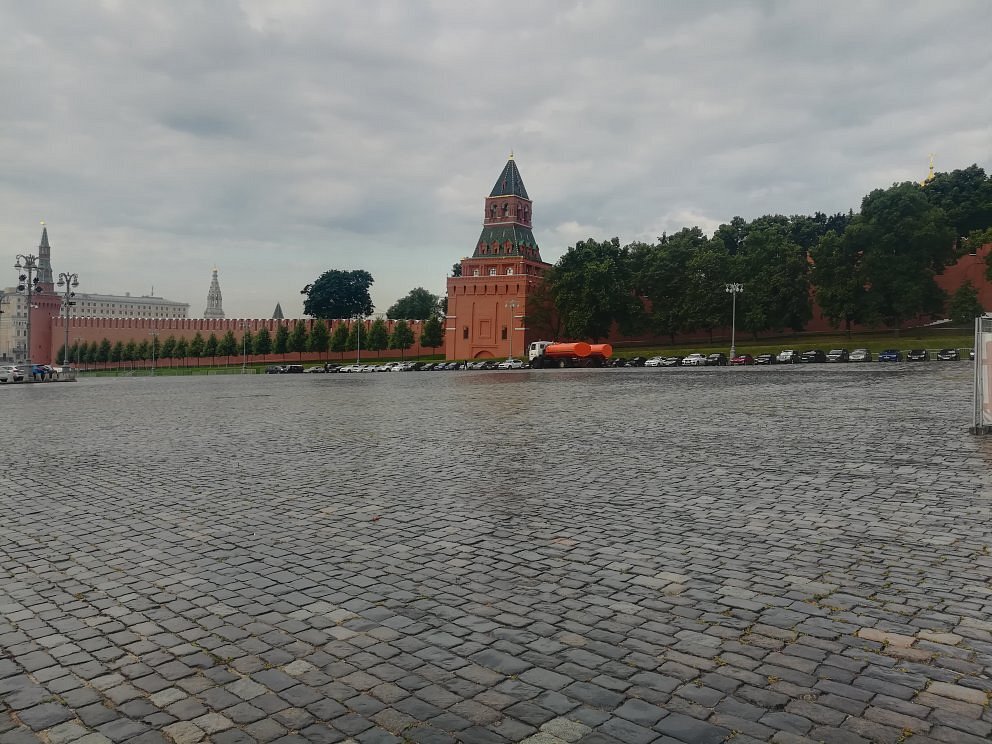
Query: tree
(196, 346)
(263, 342)
(130, 352)
(319, 337)
(592, 288)
(298, 338)
(965, 197)
(339, 294)
(281, 345)
(419, 304)
(904, 243)
(169, 349)
(775, 273)
(456, 269)
(660, 273)
(143, 351)
(339, 339)
(228, 346)
(705, 279)
(74, 352)
(431, 333)
(402, 337)
(964, 305)
(836, 276)
(116, 354)
(61, 355)
(378, 336)
(182, 350)
(210, 348)
(92, 352)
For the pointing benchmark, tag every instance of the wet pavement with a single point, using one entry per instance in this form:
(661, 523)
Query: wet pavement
(632, 555)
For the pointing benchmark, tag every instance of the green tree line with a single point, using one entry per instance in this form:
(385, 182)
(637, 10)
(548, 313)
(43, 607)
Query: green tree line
(295, 340)
(876, 267)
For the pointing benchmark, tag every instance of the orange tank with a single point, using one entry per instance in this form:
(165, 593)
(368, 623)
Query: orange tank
(579, 349)
(601, 350)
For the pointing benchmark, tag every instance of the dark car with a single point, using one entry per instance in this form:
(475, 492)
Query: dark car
(716, 359)
(273, 370)
(890, 355)
(838, 355)
(813, 356)
(949, 355)
(742, 360)
(918, 355)
(672, 361)
(766, 359)
(637, 361)
(293, 369)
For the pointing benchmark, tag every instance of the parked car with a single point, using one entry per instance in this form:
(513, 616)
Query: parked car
(637, 361)
(293, 369)
(766, 359)
(716, 359)
(860, 355)
(949, 355)
(315, 370)
(838, 355)
(11, 373)
(918, 355)
(654, 361)
(742, 360)
(813, 356)
(510, 364)
(694, 360)
(890, 355)
(788, 356)
(671, 361)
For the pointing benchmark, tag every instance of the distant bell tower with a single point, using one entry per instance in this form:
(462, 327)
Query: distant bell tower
(45, 278)
(215, 307)
(487, 304)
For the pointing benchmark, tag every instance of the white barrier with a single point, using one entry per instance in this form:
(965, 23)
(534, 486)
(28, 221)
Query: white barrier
(982, 423)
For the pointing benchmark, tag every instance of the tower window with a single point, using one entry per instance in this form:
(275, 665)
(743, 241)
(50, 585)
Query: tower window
(504, 333)
(475, 272)
(464, 332)
(509, 271)
(492, 272)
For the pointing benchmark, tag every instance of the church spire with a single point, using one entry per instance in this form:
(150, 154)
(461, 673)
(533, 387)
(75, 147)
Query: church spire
(277, 313)
(214, 307)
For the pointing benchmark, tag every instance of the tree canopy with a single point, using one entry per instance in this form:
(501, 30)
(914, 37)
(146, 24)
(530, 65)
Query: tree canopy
(339, 294)
(419, 304)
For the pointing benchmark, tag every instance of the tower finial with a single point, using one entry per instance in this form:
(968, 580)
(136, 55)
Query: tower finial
(511, 153)
(930, 175)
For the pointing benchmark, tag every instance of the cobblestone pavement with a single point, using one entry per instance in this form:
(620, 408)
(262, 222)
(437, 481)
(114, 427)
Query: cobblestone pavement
(595, 556)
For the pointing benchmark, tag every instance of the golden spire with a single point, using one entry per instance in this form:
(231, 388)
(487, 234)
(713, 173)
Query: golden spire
(511, 153)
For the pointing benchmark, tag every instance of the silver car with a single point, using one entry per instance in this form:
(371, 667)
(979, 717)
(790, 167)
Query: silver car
(11, 373)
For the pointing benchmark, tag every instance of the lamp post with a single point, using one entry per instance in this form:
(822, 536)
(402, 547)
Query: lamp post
(28, 283)
(512, 305)
(154, 334)
(70, 282)
(358, 357)
(734, 288)
(244, 348)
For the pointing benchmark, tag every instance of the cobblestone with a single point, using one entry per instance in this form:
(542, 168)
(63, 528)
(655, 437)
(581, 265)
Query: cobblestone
(468, 558)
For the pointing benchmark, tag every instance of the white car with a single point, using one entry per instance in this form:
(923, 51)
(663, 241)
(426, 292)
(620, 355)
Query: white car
(654, 362)
(11, 373)
(510, 364)
(694, 360)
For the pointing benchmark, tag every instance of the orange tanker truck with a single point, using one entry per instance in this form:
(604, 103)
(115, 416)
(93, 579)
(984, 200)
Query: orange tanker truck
(577, 354)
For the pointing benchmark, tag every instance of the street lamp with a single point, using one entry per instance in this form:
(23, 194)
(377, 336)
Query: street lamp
(70, 282)
(734, 288)
(28, 283)
(154, 334)
(512, 305)
(244, 348)
(358, 357)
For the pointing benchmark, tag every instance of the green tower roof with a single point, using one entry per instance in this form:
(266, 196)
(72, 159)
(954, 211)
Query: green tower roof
(510, 183)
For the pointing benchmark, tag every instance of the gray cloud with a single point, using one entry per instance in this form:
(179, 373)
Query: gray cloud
(277, 140)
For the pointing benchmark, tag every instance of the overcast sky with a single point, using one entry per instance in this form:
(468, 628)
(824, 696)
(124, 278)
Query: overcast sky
(279, 139)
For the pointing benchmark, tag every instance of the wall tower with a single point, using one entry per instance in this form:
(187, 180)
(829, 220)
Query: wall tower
(215, 307)
(487, 304)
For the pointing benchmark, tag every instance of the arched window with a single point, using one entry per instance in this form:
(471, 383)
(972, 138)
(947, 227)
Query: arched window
(509, 271)
(492, 272)
(504, 333)
(506, 209)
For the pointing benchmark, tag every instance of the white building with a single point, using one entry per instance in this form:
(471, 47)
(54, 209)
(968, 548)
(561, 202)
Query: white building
(90, 305)
(13, 325)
